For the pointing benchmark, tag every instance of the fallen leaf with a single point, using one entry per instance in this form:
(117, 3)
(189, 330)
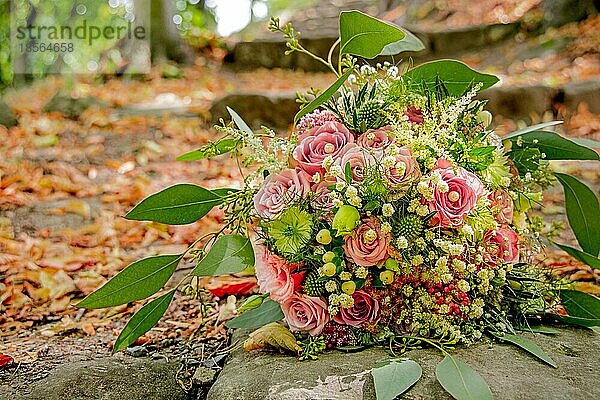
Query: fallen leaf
(225, 285)
(273, 335)
(6, 360)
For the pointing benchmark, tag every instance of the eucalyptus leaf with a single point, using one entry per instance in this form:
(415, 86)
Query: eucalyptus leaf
(589, 143)
(582, 256)
(365, 36)
(585, 322)
(526, 345)
(137, 281)
(531, 128)
(323, 97)
(554, 146)
(579, 304)
(229, 254)
(269, 311)
(537, 329)
(241, 124)
(461, 381)
(143, 320)
(176, 205)
(394, 377)
(456, 76)
(210, 150)
(583, 213)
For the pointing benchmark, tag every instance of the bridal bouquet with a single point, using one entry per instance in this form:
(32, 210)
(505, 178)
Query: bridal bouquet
(392, 214)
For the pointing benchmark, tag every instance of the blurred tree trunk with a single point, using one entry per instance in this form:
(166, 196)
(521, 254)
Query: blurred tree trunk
(165, 41)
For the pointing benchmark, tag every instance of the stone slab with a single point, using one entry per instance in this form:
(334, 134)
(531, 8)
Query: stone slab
(511, 373)
(115, 378)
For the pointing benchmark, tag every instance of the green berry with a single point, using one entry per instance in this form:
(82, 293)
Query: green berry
(349, 287)
(386, 277)
(328, 257)
(329, 269)
(324, 236)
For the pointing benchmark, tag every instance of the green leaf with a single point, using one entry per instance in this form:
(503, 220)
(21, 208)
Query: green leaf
(580, 304)
(394, 377)
(139, 280)
(589, 143)
(323, 97)
(210, 150)
(526, 345)
(269, 311)
(555, 146)
(537, 329)
(585, 322)
(143, 320)
(531, 128)
(461, 381)
(526, 159)
(582, 256)
(365, 36)
(229, 254)
(457, 76)
(241, 124)
(583, 213)
(176, 205)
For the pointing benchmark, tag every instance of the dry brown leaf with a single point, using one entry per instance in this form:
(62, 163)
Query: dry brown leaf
(272, 335)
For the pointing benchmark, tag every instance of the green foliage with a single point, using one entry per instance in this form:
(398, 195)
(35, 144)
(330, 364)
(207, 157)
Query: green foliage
(176, 205)
(229, 254)
(582, 256)
(364, 36)
(583, 212)
(143, 320)
(209, 150)
(579, 304)
(461, 381)
(554, 146)
(241, 124)
(394, 377)
(526, 345)
(323, 97)
(531, 128)
(139, 280)
(269, 311)
(456, 76)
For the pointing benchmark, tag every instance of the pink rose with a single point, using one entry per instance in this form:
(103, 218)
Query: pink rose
(455, 203)
(321, 200)
(376, 139)
(318, 143)
(367, 246)
(304, 313)
(314, 119)
(358, 158)
(274, 275)
(502, 206)
(279, 190)
(414, 114)
(503, 244)
(405, 172)
(364, 310)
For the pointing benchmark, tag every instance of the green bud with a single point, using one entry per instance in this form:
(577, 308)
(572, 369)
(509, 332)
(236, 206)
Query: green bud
(345, 220)
(253, 302)
(485, 117)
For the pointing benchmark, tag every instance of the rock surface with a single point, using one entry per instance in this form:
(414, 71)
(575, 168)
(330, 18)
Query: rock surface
(113, 378)
(511, 373)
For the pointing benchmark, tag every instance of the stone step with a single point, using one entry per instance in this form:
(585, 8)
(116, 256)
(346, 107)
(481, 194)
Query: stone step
(268, 52)
(511, 373)
(277, 110)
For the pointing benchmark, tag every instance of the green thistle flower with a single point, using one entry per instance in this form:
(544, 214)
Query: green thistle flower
(410, 226)
(313, 285)
(292, 230)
